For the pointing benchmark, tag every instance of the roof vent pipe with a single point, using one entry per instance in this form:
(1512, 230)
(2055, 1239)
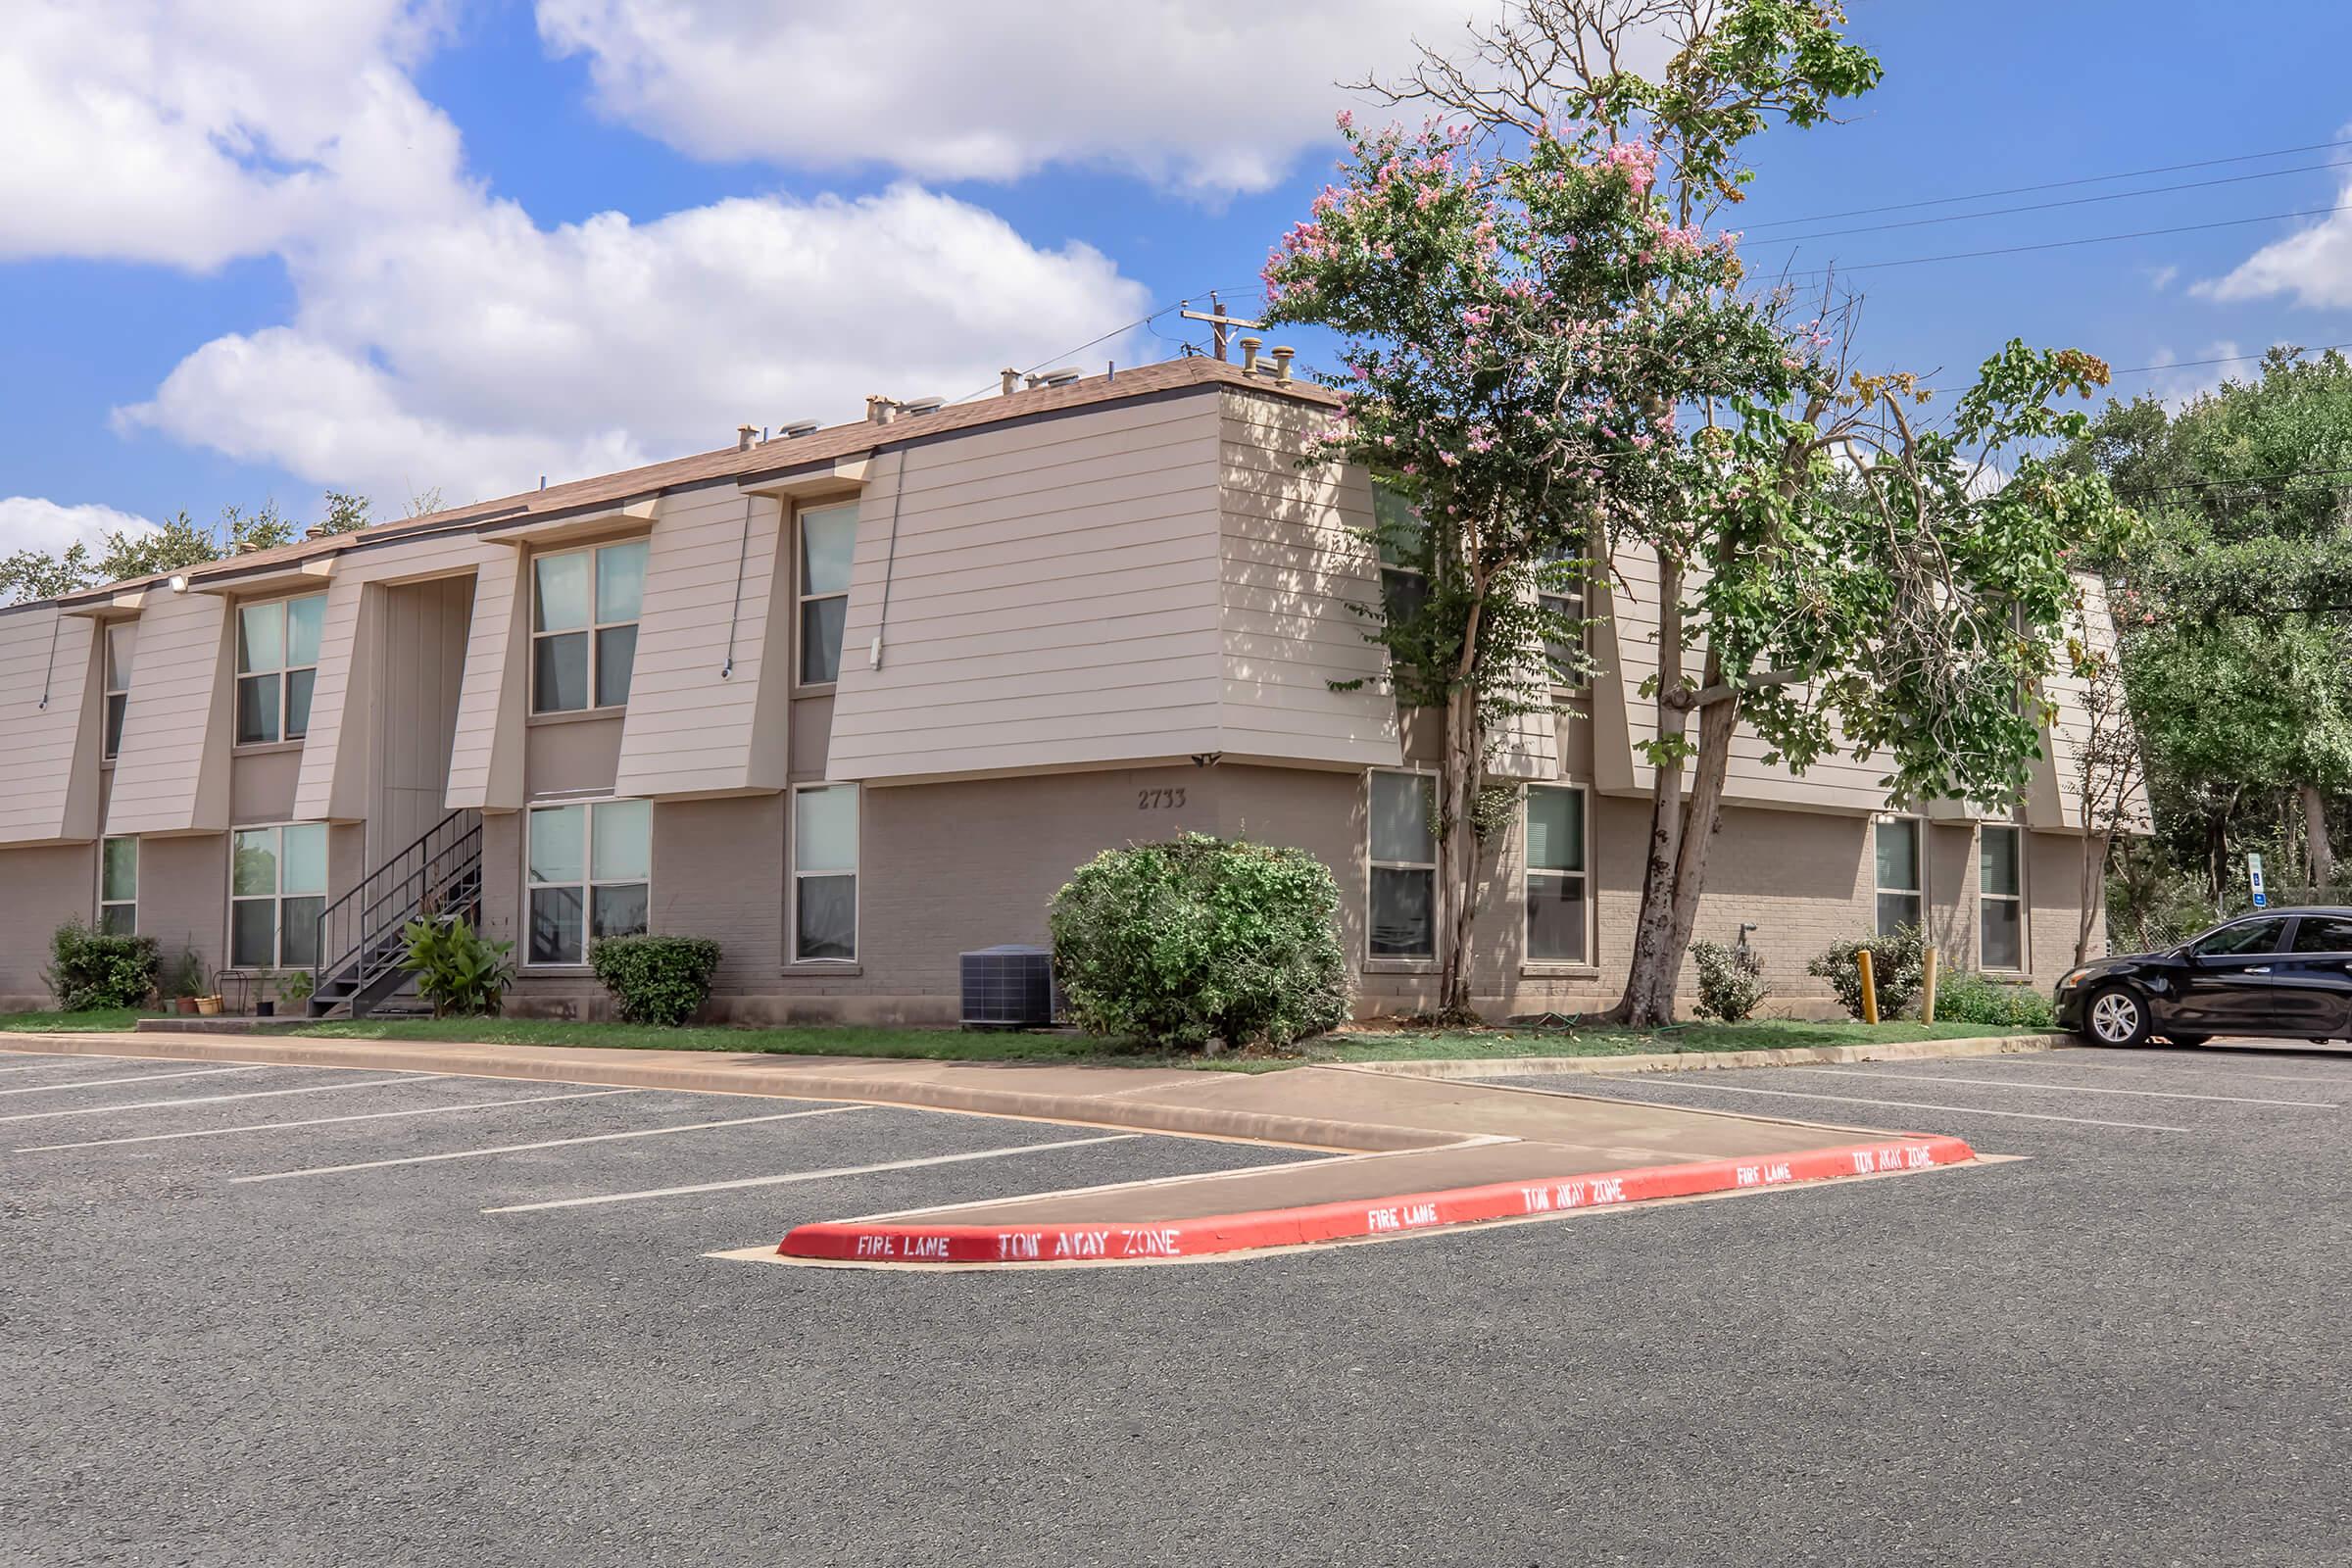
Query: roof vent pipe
(1011, 380)
(1249, 348)
(878, 409)
(1282, 363)
(743, 437)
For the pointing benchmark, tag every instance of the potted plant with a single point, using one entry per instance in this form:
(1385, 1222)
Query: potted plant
(208, 1007)
(181, 980)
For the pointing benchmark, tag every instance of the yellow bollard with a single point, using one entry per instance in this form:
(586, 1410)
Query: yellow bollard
(1870, 987)
(1927, 987)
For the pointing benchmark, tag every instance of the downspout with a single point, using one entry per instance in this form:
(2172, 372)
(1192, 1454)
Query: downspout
(56, 623)
(897, 494)
(743, 550)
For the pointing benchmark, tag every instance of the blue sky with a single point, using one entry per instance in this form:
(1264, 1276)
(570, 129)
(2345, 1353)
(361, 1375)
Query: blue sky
(250, 252)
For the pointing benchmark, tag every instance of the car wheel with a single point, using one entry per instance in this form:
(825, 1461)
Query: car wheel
(2187, 1041)
(2115, 1016)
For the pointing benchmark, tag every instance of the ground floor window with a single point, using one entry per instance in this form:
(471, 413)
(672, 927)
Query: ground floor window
(1557, 889)
(1404, 866)
(588, 874)
(2000, 898)
(824, 874)
(277, 885)
(119, 886)
(1898, 880)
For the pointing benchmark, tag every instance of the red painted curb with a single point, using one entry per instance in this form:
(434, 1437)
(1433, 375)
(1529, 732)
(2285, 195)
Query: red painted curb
(861, 1242)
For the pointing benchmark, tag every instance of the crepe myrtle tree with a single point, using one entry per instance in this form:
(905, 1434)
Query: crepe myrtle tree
(1551, 358)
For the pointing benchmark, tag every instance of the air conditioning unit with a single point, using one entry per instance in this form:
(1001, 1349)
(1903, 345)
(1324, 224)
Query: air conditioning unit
(1009, 987)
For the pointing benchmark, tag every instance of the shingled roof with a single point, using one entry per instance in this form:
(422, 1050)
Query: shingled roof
(776, 458)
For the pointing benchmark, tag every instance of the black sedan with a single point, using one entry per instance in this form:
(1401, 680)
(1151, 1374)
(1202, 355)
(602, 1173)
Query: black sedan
(2287, 973)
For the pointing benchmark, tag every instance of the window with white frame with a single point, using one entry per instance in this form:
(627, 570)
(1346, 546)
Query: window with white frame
(824, 872)
(277, 665)
(2000, 897)
(121, 637)
(584, 610)
(119, 887)
(1899, 879)
(277, 885)
(1404, 866)
(1559, 900)
(588, 874)
(1562, 591)
(828, 537)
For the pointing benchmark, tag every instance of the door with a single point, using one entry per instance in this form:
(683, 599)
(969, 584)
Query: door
(2313, 979)
(2229, 985)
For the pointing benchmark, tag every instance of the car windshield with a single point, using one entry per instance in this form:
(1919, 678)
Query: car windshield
(2247, 935)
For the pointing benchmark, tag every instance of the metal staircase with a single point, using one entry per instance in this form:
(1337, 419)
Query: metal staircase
(360, 943)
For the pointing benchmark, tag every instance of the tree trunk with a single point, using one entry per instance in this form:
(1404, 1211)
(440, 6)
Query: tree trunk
(2098, 849)
(1458, 855)
(1713, 765)
(2319, 859)
(1654, 960)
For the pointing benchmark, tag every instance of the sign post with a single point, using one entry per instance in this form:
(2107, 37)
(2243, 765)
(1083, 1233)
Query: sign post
(2262, 899)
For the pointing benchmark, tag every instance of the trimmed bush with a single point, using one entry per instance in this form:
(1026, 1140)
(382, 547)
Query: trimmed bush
(89, 968)
(1965, 996)
(1730, 981)
(456, 969)
(655, 979)
(1897, 963)
(1202, 938)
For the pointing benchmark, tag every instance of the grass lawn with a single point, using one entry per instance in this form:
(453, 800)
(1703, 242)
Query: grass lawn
(953, 1045)
(101, 1020)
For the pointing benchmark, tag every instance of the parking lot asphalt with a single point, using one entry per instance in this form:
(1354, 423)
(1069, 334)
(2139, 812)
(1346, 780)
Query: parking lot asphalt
(264, 1317)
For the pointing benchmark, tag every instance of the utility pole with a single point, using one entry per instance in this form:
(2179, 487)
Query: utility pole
(1219, 323)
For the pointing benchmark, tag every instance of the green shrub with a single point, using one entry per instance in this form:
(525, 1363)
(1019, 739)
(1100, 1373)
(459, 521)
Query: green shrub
(295, 986)
(1202, 938)
(183, 976)
(456, 971)
(1730, 981)
(655, 979)
(90, 968)
(1965, 996)
(1897, 963)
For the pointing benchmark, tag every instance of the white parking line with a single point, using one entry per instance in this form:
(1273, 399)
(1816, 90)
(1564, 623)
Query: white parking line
(75, 1060)
(215, 1099)
(328, 1121)
(552, 1142)
(1908, 1105)
(807, 1175)
(135, 1078)
(2065, 1089)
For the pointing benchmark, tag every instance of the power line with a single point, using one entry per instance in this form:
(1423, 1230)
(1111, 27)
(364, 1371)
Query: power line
(2043, 207)
(2055, 184)
(2181, 365)
(1129, 327)
(2063, 244)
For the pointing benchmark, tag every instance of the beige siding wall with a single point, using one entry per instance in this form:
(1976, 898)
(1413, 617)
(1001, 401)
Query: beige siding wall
(692, 728)
(485, 760)
(2054, 799)
(261, 785)
(1293, 558)
(420, 632)
(172, 772)
(578, 758)
(41, 887)
(48, 754)
(183, 896)
(1054, 598)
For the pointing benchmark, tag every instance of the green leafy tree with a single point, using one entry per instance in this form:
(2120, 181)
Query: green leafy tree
(345, 513)
(176, 542)
(1552, 358)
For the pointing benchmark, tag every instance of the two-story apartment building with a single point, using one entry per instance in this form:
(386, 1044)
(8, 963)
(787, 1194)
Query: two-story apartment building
(854, 701)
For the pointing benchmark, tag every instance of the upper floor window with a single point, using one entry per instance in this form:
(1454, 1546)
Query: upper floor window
(1397, 531)
(590, 874)
(828, 536)
(2000, 898)
(119, 887)
(277, 663)
(1557, 905)
(277, 885)
(584, 610)
(1404, 866)
(121, 638)
(1899, 881)
(1564, 596)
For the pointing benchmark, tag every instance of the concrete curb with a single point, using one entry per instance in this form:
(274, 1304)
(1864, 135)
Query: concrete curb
(1714, 1061)
(701, 1072)
(881, 1241)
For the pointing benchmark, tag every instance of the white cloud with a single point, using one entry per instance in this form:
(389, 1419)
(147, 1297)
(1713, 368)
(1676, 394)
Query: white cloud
(2312, 266)
(477, 353)
(2179, 384)
(1211, 96)
(2162, 278)
(27, 522)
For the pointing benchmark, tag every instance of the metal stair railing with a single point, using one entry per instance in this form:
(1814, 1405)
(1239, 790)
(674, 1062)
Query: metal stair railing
(359, 933)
